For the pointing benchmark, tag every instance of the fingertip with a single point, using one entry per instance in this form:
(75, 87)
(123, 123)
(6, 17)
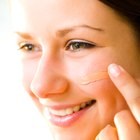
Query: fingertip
(107, 133)
(120, 116)
(125, 83)
(114, 70)
(97, 137)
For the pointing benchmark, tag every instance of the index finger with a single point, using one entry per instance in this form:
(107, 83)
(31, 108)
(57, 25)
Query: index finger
(128, 87)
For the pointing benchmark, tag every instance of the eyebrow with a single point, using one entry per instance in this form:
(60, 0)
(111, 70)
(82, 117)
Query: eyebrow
(24, 35)
(61, 32)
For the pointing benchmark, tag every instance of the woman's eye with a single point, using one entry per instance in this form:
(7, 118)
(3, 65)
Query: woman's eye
(28, 47)
(79, 45)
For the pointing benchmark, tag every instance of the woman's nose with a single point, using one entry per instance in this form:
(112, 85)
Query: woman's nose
(48, 80)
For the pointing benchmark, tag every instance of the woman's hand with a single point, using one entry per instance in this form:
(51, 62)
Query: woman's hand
(127, 121)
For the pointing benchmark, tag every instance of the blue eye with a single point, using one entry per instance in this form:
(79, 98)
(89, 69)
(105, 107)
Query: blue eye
(79, 45)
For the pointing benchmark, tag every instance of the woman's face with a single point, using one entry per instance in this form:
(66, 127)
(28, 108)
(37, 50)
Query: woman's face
(61, 41)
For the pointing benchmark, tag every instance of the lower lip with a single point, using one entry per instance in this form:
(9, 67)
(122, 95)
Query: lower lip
(67, 120)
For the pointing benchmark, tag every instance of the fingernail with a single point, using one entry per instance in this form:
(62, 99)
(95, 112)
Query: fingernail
(97, 138)
(114, 70)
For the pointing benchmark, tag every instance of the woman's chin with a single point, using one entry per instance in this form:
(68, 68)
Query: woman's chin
(72, 134)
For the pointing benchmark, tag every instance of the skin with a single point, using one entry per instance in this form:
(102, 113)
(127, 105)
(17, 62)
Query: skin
(94, 77)
(50, 70)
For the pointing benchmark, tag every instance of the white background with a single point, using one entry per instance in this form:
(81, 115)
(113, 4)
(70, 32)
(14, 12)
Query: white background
(19, 119)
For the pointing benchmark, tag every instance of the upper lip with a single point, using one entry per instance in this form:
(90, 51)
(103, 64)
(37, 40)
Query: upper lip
(61, 106)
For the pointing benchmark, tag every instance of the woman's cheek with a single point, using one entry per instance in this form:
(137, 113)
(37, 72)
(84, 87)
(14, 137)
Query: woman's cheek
(99, 89)
(105, 93)
(93, 62)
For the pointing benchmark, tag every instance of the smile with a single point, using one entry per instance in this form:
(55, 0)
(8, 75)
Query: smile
(65, 117)
(69, 111)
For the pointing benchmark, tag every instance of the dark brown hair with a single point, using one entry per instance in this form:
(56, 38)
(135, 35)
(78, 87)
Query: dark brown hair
(129, 9)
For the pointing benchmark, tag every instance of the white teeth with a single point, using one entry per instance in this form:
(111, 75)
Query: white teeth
(76, 108)
(58, 113)
(61, 112)
(69, 111)
(83, 105)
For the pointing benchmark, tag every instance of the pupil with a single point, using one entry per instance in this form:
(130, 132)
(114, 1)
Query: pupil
(77, 46)
(29, 47)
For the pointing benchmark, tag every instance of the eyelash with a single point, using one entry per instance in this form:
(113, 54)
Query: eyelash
(73, 46)
(78, 45)
(28, 47)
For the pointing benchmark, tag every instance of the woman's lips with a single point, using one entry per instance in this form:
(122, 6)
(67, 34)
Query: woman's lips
(65, 117)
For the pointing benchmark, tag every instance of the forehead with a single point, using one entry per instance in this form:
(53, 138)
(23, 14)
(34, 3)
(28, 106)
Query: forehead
(53, 14)
(56, 9)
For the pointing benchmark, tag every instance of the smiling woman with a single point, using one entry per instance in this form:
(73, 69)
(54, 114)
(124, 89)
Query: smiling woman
(67, 48)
